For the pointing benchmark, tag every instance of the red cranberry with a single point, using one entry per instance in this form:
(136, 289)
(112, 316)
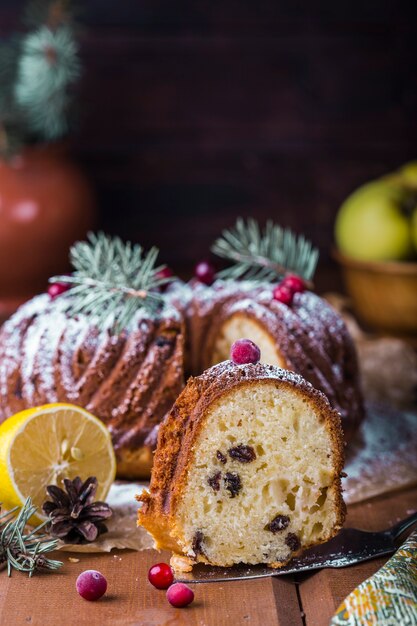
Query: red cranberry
(56, 289)
(180, 595)
(283, 294)
(204, 272)
(161, 576)
(91, 585)
(165, 272)
(294, 283)
(244, 351)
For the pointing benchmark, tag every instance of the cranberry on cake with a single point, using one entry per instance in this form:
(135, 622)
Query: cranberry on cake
(247, 469)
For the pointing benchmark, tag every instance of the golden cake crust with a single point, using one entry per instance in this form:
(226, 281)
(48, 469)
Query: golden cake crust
(180, 430)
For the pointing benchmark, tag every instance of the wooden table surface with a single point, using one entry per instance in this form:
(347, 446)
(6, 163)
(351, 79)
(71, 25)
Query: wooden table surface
(308, 599)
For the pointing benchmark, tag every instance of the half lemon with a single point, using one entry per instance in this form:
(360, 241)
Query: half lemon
(44, 445)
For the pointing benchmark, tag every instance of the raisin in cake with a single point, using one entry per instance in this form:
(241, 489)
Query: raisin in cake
(247, 469)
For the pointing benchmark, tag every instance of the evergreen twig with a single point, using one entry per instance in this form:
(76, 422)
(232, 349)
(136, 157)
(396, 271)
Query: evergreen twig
(47, 67)
(38, 70)
(21, 549)
(266, 255)
(112, 280)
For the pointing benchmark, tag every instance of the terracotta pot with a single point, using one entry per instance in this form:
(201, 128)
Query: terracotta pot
(45, 205)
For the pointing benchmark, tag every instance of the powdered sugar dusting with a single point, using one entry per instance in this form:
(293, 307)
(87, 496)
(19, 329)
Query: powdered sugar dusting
(13, 335)
(29, 351)
(48, 356)
(48, 346)
(257, 371)
(382, 457)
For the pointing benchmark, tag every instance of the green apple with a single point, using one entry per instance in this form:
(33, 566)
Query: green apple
(414, 228)
(371, 224)
(408, 174)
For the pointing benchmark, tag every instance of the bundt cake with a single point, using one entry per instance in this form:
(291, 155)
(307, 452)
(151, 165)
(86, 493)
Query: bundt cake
(131, 379)
(247, 469)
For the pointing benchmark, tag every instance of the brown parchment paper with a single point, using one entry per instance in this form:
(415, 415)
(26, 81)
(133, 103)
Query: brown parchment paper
(122, 529)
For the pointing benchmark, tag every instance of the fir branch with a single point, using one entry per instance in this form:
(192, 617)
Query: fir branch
(38, 70)
(266, 255)
(112, 280)
(24, 550)
(12, 126)
(47, 67)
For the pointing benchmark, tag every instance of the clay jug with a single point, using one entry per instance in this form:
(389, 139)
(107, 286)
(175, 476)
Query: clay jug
(45, 205)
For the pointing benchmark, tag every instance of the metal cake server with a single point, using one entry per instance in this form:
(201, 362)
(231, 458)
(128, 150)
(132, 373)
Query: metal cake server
(350, 546)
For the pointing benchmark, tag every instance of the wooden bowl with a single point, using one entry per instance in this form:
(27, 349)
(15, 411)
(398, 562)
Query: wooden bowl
(384, 293)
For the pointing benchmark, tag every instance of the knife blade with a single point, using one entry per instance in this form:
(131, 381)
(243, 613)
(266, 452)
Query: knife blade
(350, 546)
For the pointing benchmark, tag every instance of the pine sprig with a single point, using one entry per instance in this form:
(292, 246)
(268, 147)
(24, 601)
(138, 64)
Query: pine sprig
(266, 255)
(24, 550)
(38, 71)
(47, 67)
(112, 280)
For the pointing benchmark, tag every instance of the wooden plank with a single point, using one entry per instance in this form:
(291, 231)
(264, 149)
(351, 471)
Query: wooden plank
(50, 599)
(322, 593)
(47, 600)
(287, 602)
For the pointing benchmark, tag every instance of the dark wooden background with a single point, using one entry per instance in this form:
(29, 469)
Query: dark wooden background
(196, 112)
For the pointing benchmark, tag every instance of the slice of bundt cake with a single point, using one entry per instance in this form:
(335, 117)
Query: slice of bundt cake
(247, 469)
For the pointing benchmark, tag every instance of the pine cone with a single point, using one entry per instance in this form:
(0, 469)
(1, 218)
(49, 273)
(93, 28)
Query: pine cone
(74, 517)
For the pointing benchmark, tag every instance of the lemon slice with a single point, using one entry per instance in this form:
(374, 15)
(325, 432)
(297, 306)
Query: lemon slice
(44, 445)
